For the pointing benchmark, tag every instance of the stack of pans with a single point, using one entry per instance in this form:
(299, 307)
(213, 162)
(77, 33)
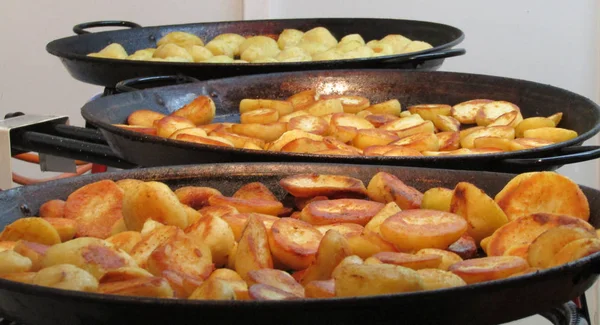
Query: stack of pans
(376, 78)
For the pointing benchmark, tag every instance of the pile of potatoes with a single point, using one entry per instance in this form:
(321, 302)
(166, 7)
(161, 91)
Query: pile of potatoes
(331, 236)
(292, 45)
(353, 126)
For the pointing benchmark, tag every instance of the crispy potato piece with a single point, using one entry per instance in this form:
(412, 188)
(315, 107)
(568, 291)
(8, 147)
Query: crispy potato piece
(528, 143)
(128, 184)
(346, 229)
(389, 210)
(150, 241)
(350, 120)
(294, 242)
(342, 133)
(234, 280)
(532, 123)
(251, 146)
(493, 142)
(448, 258)
(423, 127)
(437, 198)
(575, 250)
(483, 215)
(195, 197)
(248, 205)
(364, 113)
(320, 289)
(421, 142)
(276, 279)
(214, 289)
(391, 151)
(239, 141)
(253, 251)
(231, 257)
(125, 273)
(287, 118)
(7, 245)
(290, 136)
(238, 221)
(417, 229)
(139, 129)
(281, 106)
(433, 279)
(302, 99)
(403, 123)
(430, 111)
(488, 268)
(510, 118)
(556, 118)
(200, 111)
(266, 292)
(302, 202)
(261, 115)
(144, 117)
(489, 112)
(31, 229)
(543, 249)
(169, 124)
(484, 244)
(324, 107)
(524, 230)
(156, 201)
(305, 145)
(337, 152)
(391, 107)
(333, 143)
(13, 262)
(352, 259)
(351, 104)
(155, 287)
(465, 247)
(341, 210)
(378, 119)
(308, 123)
(374, 279)
(66, 228)
(67, 277)
(215, 233)
(266, 132)
(210, 140)
(311, 185)
(91, 254)
(23, 277)
(465, 112)
(255, 190)
(53, 209)
(373, 137)
(465, 132)
(33, 251)
(209, 128)
(333, 248)
(547, 192)
(411, 261)
(218, 210)
(125, 240)
(553, 134)
(505, 132)
(368, 243)
(446, 123)
(385, 187)
(96, 207)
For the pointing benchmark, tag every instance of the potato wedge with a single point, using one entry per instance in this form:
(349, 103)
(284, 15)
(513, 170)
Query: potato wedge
(344, 134)
(215, 233)
(402, 123)
(195, 197)
(543, 249)
(368, 243)
(547, 192)
(465, 247)
(553, 134)
(302, 99)
(426, 127)
(200, 111)
(66, 228)
(320, 289)
(156, 201)
(266, 292)
(287, 118)
(294, 242)
(290, 136)
(238, 221)
(261, 115)
(214, 289)
(391, 107)
(33, 251)
(308, 123)
(302, 202)
(13, 262)
(345, 229)
(350, 120)
(125, 273)
(437, 198)
(341, 210)
(150, 241)
(218, 210)
(430, 111)
(366, 280)
(424, 141)
(31, 229)
(433, 279)
(155, 287)
(238, 141)
(305, 145)
(446, 123)
(389, 210)
(277, 279)
(209, 140)
(351, 104)
(190, 131)
(52, 209)
(480, 211)
(311, 185)
(281, 106)
(448, 258)
(169, 124)
(254, 190)
(265, 132)
(465, 112)
(67, 277)
(411, 261)
(505, 132)
(575, 250)
(528, 143)
(488, 268)
(333, 248)
(493, 142)
(248, 205)
(556, 118)
(532, 123)
(373, 137)
(416, 229)
(253, 251)
(512, 118)
(234, 280)
(324, 107)
(489, 112)
(378, 119)
(144, 117)
(385, 187)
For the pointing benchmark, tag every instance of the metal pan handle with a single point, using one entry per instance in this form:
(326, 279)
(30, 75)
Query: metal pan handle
(135, 83)
(569, 155)
(80, 29)
(447, 53)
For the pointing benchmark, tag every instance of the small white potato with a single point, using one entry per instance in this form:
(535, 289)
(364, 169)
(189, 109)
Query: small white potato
(199, 53)
(295, 53)
(289, 38)
(398, 42)
(319, 35)
(353, 38)
(268, 46)
(234, 40)
(172, 50)
(182, 39)
(221, 47)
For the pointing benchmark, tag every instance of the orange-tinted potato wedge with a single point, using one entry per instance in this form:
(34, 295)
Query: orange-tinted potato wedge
(385, 187)
(341, 210)
(488, 268)
(294, 242)
(311, 185)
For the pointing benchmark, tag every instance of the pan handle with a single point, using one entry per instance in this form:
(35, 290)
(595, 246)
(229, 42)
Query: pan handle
(80, 29)
(569, 155)
(447, 53)
(135, 83)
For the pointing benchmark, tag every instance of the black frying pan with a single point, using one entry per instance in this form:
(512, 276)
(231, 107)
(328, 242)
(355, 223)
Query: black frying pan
(486, 303)
(108, 72)
(409, 87)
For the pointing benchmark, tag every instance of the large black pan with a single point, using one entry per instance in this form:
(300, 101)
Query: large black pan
(486, 303)
(410, 87)
(107, 72)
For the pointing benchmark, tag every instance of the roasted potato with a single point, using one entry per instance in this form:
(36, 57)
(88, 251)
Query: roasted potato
(195, 197)
(433, 279)
(66, 276)
(13, 262)
(66, 228)
(448, 257)
(385, 187)
(253, 251)
(312, 185)
(125, 240)
(340, 210)
(294, 242)
(153, 200)
(333, 248)
(437, 198)
(541, 252)
(488, 268)
(31, 229)
(365, 280)
(33, 251)
(215, 233)
(276, 279)
(320, 289)
(141, 287)
(52, 209)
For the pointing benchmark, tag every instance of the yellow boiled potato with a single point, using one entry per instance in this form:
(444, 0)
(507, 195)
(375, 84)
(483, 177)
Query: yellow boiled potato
(268, 45)
(199, 53)
(221, 47)
(295, 53)
(180, 38)
(112, 51)
(219, 59)
(319, 35)
(398, 42)
(234, 40)
(172, 50)
(416, 46)
(353, 38)
(142, 55)
(289, 38)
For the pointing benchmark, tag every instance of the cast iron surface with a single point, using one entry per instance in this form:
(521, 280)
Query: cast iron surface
(72, 50)
(409, 87)
(486, 303)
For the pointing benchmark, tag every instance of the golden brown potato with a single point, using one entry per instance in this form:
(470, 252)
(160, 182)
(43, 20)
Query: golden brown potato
(218, 210)
(511, 118)
(389, 210)
(294, 242)
(505, 132)
(385, 187)
(125, 273)
(23, 277)
(493, 142)
(433, 279)
(532, 123)
(551, 134)
(234, 280)
(248, 205)
(333, 248)
(13, 262)
(302, 99)
(210, 140)
(214, 289)
(181, 39)
(426, 127)
(403, 123)
(190, 131)
(151, 240)
(266, 132)
(66, 228)
(374, 279)
(528, 143)
(125, 240)
(575, 250)
(320, 289)
(465, 247)
(200, 111)
(351, 104)
(7, 245)
(262, 115)
(373, 137)
(466, 112)
(169, 124)
(430, 111)
(392, 107)
(488, 268)
(52, 209)
(195, 197)
(543, 249)
(156, 201)
(377, 119)
(281, 106)
(437, 198)
(253, 251)
(424, 141)
(255, 190)
(66, 276)
(489, 112)
(310, 124)
(346, 229)
(215, 233)
(547, 192)
(238, 221)
(305, 145)
(31, 229)
(311, 185)
(368, 243)
(340, 210)
(448, 258)
(128, 184)
(33, 251)
(240, 141)
(266, 292)
(277, 279)
(411, 261)
(155, 287)
(325, 107)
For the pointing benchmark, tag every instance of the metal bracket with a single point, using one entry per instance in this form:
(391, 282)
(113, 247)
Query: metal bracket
(47, 162)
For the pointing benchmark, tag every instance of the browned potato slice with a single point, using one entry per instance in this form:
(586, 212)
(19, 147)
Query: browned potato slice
(424, 127)
(125, 273)
(218, 210)
(253, 251)
(66, 276)
(403, 123)
(210, 140)
(335, 144)
(433, 279)
(255, 190)
(53, 209)
(208, 128)
(350, 120)
(575, 250)
(374, 279)
(519, 250)
(152, 200)
(465, 112)
(125, 240)
(512, 118)
(528, 143)
(351, 104)
(155, 287)
(437, 198)
(305, 145)
(33, 251)
(239, 141)
(391, 106)
(320, 289)
(23, 277)
(251, 146)
(430, 111)
(389, 210)
(417, 229)
(302, 99)
(532, 123)
(524, 230)
(214, 289)
(308, 123)
(448, 140)
(266, 292)
(13, 262)
(489, 112)
(234, 280)
(465, 247)
(215, 233)
(169, 124)
(505, 132)
(488, 268)
(332, 250)
(31, 229)
(341, 210)
(144, 117)
(420, 142)
(276, 279)
(311, 185)
(484, 244)
(290, 136)
(556, 117)
(324, 107)
(281, 106)
(342, 133)
(385, 187)
(150, 241)
(289, 117)
(140, 129)
(411, 261)
(493, 142)
(66, 228)
(261, 115)
(302, 202)
(346, 229)
(337, 152)
(195, 197)
(352, 259)
(248, 205)
(543, 249)
(378, 119)
(266, 132)
(200, 111)
(391, 151)
(7, 245)
(368, 243)
(547, 192)
(483, 215)
(294, 242)
(551, 134)
(464, 133)
(448, 258)
(446, 123)
(373, 137)
(237, 222)
(128, 184)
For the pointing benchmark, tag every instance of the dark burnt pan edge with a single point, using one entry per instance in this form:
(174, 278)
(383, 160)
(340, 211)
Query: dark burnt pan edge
(573, 278)
(118, 137)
